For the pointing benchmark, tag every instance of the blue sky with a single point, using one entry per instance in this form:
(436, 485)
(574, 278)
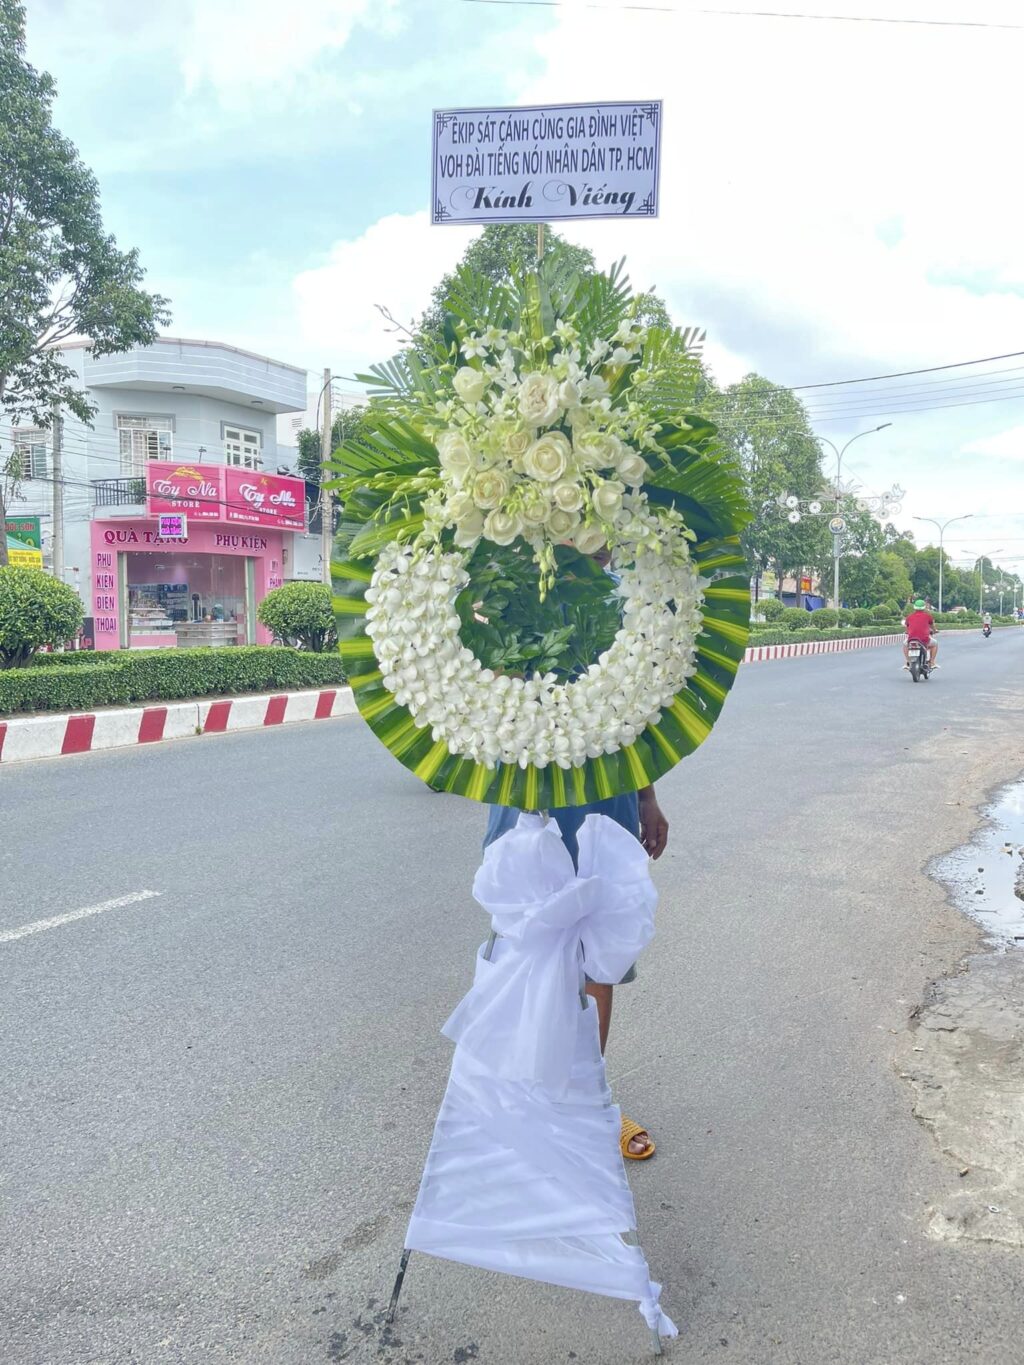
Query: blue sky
(839, 200)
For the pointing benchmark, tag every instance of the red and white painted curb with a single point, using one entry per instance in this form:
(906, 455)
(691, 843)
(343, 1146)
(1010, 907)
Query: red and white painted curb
(50, 736)
(758, 653)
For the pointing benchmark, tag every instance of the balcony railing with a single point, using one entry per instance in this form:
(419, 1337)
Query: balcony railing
(118, 492)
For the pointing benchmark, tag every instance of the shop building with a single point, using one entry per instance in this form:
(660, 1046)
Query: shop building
(182, 428)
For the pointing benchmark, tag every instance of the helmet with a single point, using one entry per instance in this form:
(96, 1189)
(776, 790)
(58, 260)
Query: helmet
(919, 604)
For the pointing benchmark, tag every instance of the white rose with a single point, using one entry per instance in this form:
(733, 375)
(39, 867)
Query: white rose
(518, 442)
(567, 395)
(502, 527)
(469, 384)
(469, 529)
(568, 496)
(538, 399)
(490, 487)
(535, 507)
(461, 506)
(606, 499)
(454, 453)
(563, 524)
(548, 457)
(598, 450)
(632, 468)
(589, 540)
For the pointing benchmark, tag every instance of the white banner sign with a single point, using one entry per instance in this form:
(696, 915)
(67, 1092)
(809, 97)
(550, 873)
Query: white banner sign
(539, 163)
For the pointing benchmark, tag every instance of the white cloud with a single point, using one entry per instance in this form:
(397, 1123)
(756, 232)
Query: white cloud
(263, 49)
(1005, 445)
(395, 262)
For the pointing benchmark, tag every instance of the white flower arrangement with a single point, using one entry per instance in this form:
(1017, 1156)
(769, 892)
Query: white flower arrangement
(562, 428)
(492, 718)
(537, 449)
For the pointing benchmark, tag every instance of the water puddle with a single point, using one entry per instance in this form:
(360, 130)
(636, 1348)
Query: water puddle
(986, 876)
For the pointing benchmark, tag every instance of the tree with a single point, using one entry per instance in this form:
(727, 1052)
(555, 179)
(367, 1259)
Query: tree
(300, 613)
(892, 580)
(499, 250)
(344, 426)
(769, 432)
(35, 610)
(61, 274)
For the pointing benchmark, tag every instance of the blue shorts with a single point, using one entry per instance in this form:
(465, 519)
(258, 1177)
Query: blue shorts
(624, 810)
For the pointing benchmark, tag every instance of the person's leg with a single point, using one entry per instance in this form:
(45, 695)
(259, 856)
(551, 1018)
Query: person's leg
(906, 653)
(602, 997)
(933, 651)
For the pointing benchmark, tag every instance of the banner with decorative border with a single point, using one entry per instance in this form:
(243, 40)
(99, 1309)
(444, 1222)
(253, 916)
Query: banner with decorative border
(541, 163)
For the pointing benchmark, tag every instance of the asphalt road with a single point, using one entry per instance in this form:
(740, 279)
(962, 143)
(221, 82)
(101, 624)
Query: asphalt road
(217, 1100)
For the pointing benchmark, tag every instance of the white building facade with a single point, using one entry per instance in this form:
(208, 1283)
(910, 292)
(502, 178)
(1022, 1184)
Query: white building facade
(195, 415)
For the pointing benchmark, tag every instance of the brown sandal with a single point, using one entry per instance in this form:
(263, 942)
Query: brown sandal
(631, 1130)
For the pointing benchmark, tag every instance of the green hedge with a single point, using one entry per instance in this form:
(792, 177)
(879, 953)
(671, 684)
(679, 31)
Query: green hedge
(165, 675)
(779, 636)
(76, 658)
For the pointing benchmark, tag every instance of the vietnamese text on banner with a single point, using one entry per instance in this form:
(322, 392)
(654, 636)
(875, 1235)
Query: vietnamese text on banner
(539, 163)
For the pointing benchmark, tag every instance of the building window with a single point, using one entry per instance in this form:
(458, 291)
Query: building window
(143, 439)
(243, 449)
(30, 447)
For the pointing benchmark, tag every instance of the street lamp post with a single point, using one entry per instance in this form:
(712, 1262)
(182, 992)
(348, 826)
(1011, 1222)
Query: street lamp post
(942, 530)
(823, 440)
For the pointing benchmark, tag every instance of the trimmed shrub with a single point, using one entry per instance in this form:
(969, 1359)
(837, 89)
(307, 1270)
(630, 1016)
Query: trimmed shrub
(35, 610)
(770, 608)
(795, 618)
(166, 675)
(300, 613)
(825, 618)
(783, 637)
(860, 616)
(885, 611)
(75, 658)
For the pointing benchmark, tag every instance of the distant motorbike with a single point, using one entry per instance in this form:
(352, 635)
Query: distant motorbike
(986, 630)
(918, 661)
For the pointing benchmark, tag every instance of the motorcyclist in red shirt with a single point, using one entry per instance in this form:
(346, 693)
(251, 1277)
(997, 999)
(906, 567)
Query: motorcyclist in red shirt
(920, 625)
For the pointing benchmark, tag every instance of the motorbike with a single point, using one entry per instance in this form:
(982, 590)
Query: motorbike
(918, 661)
(986, 630)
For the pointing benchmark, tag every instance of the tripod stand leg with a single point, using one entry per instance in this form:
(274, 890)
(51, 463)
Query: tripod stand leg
(392, 1306)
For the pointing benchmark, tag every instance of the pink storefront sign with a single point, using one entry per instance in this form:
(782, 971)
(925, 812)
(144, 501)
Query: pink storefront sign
(196, 490)
(264, 499)
(110, 539)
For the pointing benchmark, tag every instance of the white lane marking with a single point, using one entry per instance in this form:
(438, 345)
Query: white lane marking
(37, 927)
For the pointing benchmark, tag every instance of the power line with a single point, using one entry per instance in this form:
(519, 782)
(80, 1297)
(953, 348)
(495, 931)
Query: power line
(754, 14)
(902, 374)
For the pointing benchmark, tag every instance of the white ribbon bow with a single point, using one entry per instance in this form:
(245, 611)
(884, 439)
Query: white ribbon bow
(522, 1013)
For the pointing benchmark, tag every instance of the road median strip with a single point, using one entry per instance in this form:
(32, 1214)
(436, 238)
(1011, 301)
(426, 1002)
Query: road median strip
(28, 737)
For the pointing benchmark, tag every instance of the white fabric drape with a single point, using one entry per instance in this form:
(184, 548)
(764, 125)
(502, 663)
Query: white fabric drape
(524, 1173)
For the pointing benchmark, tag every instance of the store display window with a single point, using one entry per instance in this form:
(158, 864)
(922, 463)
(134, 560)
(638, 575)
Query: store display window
(182, 598)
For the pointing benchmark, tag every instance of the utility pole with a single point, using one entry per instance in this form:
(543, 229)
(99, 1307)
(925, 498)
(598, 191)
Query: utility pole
(326, 500)
(57, 433)
(837, 540)
(941, 527)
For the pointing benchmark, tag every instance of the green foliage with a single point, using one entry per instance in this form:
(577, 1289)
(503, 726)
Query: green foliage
(35, 610)
(165, 675)
(62, 274)
(770, 608)
(506, 628)
(892, 582)
(795, 618)
(825, 618)
(785, 637)
(345, 426)
(885, 611)
(767, 430)
(300, 613)
(501, 251)
(861, 616)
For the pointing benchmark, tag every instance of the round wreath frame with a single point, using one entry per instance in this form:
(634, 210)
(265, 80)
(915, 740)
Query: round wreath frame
(697, 479)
